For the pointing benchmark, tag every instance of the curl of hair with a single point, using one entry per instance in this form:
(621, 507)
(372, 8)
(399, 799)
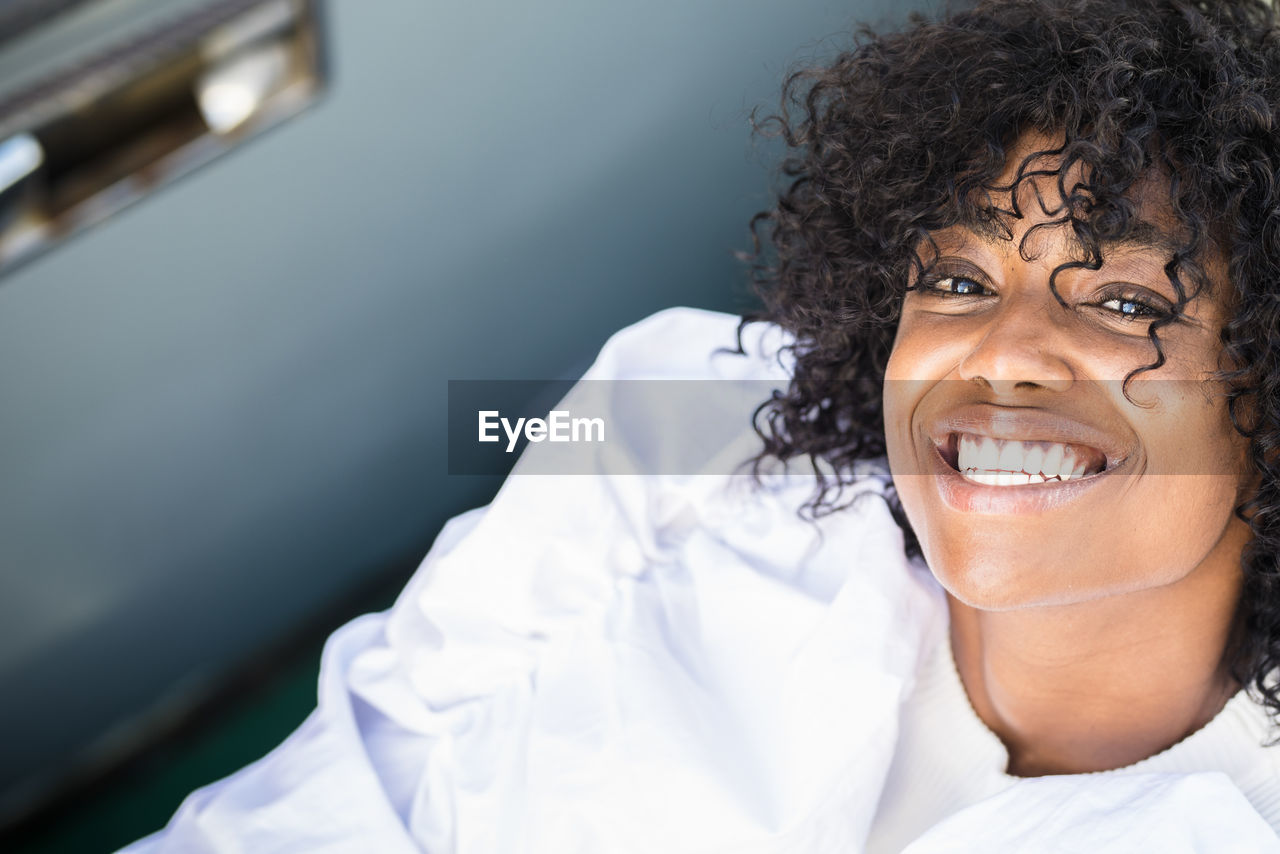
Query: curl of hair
(909, 132)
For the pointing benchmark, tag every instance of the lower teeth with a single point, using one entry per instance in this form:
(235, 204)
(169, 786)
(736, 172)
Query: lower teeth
(1006, 478)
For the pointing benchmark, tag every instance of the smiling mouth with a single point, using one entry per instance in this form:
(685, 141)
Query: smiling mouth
(1009, 462)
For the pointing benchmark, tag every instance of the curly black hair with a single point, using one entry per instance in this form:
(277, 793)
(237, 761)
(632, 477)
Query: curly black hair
(909, 132)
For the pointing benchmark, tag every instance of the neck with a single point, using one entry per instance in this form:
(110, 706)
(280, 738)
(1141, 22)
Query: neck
(1099, 685)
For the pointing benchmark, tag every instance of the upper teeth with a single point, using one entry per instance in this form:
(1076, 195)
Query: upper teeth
(1007, 462)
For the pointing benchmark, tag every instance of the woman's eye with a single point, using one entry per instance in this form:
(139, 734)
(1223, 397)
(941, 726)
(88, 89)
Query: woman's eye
(1132, 308)
(960, 286)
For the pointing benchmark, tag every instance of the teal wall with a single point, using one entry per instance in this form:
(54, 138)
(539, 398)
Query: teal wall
(224, 408)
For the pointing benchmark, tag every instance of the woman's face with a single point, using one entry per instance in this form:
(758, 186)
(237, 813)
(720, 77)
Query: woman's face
(1028, 475)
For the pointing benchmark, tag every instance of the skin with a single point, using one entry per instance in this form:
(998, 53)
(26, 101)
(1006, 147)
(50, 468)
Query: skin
(1088, 622)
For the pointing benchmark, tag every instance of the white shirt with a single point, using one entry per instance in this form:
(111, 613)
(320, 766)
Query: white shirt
(947, 759)
(647, 663)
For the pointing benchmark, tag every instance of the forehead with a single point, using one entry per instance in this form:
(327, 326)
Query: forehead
(1038, 209)
(1036, 235)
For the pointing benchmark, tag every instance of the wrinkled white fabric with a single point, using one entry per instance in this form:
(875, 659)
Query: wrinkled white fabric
(625, 663)
(1168, 813)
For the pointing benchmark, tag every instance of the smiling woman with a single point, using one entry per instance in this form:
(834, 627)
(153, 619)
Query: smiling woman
(1009, 364)
(1049, 233)
(1021, 324)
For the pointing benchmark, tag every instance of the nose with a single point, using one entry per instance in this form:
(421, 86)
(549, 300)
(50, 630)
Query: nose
(1021, 347)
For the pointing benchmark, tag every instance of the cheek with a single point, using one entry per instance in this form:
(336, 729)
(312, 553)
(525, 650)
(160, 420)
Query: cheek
(1185, 429)
(1156, 534)
(1168, 528)
(915, 367)
(911, 354)
(904, 387)
(1171, 519)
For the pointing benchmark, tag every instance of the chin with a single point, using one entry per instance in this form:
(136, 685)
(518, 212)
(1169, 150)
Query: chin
(1006, 585)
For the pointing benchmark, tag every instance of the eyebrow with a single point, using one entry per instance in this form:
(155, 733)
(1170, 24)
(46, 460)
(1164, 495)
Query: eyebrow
(1141, 236)
(1145, 236)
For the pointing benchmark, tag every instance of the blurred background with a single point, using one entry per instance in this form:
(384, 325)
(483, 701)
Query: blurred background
(244, 244)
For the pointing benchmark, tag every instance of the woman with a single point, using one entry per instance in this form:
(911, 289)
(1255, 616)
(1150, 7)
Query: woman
(1028, 255)
(1062, 223)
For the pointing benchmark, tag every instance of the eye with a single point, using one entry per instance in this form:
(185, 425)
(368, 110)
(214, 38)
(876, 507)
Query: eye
(1130, 307)
(954, 287)
(958, 286)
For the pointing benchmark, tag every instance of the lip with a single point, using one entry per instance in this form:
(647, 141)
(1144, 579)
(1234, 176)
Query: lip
(1028, 425)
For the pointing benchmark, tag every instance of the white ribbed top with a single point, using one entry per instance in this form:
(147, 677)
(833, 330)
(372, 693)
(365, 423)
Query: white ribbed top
(947, 759)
